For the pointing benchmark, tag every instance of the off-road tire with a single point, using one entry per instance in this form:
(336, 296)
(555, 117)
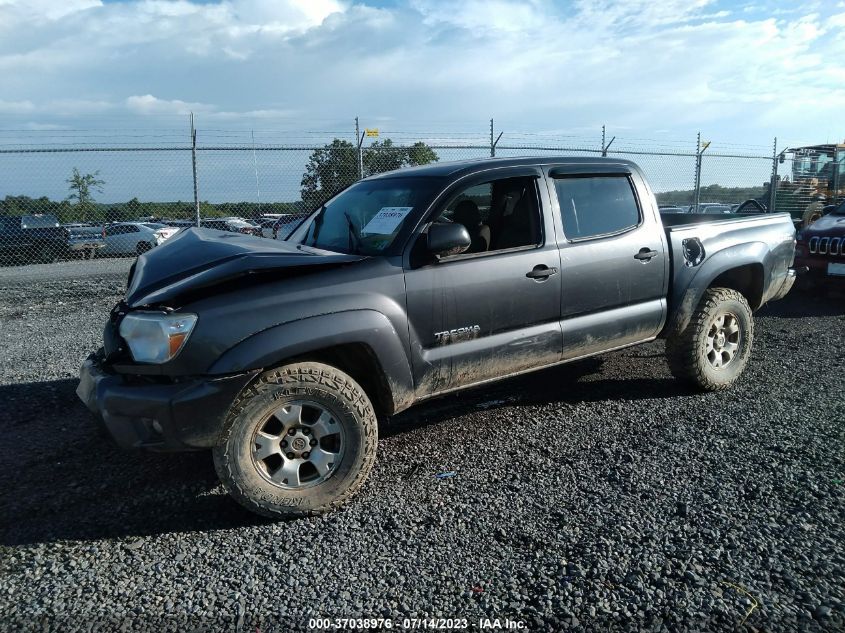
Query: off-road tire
(324, 385)
(686, 350)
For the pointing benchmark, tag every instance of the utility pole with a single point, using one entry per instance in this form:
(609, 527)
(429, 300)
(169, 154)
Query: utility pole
(360, 138)
(194, 161)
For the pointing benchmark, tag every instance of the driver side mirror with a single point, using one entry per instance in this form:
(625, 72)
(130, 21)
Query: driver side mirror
(447, 239)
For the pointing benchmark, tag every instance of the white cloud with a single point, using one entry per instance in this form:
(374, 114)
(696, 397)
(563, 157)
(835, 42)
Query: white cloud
(674, 64)
(148, 104)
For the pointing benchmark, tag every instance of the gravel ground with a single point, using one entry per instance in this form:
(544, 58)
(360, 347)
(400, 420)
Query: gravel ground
(594, 496)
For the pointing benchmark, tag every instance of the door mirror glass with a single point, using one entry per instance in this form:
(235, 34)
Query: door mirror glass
(447, 238)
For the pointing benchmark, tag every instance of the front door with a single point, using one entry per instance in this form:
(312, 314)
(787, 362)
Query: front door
(493, 310)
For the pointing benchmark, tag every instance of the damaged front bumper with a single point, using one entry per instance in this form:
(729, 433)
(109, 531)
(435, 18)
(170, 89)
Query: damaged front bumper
(170, 415)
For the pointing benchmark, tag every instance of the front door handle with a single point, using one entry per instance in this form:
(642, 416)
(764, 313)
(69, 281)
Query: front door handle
(645, 254)
(541, 272)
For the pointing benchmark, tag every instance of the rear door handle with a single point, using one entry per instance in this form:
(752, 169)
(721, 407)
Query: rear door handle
(541, 272)
(645, 254)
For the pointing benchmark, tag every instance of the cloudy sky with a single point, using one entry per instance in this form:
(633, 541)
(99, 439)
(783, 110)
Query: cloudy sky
(744, 71)
(297, 72)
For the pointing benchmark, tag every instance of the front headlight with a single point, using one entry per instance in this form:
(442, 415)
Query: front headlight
(155, 337)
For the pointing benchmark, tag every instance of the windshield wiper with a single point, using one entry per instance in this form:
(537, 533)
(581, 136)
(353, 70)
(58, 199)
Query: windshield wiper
(354, 240)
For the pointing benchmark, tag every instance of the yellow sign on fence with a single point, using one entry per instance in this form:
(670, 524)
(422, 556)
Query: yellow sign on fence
(371, 132)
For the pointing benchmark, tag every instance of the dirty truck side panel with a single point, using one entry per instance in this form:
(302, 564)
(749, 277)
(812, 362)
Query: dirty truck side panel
(765, 245)
(610, 298)
(373, 329)
(242, 329)
(476, 317)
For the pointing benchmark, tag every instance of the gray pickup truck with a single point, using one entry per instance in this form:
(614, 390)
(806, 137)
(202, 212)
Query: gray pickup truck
(281, 356)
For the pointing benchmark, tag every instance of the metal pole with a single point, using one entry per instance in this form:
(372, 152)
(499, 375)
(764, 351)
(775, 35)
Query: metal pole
(255, 167)
(697, 197)
(492, 142)
(360, 138)
(603, 148)
(194, 162)
(774, 182)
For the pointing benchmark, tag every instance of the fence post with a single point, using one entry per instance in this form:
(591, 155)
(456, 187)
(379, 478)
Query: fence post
(697, 197)
(492, 144)
(774, 182)
(360, 140)
(255, 167)
(194, 162)
(605, 146)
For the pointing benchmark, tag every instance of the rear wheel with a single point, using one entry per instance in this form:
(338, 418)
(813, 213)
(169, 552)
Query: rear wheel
(143, 247)
(299, 441)
(713, 350)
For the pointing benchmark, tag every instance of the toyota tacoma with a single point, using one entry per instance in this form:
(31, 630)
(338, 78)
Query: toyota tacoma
(281, 356)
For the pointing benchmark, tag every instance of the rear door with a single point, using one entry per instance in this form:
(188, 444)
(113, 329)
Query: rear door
(614, 266)
(493, 310)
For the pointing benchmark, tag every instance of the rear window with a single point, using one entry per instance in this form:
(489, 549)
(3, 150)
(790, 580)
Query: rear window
(594, 206)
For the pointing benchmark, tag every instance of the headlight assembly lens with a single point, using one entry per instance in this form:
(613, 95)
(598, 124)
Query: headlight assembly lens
(154, 337)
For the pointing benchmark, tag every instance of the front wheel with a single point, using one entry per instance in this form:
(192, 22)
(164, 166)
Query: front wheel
(713, 350)
(298, 441)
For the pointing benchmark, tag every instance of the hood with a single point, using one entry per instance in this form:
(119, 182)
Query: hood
(196, 259)
(830, 225)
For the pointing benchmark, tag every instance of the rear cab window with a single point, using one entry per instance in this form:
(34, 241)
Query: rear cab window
(596, 206)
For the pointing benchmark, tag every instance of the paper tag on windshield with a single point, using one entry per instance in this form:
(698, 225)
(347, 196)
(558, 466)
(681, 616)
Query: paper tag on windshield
(386, 220)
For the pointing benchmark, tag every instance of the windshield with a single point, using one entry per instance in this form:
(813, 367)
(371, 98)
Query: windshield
(368, 217)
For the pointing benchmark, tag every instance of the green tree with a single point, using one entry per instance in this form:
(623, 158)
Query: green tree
(421, 154)
(134, 209)
(330, 169)
(81, 186)
(383, 156)
(335, 166)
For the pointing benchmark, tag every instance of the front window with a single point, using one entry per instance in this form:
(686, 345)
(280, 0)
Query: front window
(368, 217)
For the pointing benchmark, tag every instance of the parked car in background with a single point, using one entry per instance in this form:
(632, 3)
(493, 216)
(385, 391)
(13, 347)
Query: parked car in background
(821, 248)
(35, 238)
(85, 240)
(135, 238)
(286, 224)
(266, 225)
(714, 208)
(670, 209)
(233, 225)
(179, 224)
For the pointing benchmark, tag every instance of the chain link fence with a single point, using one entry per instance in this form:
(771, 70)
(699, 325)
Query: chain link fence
(84, 205)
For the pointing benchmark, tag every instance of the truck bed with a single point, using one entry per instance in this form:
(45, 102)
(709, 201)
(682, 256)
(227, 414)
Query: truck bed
(762, 244)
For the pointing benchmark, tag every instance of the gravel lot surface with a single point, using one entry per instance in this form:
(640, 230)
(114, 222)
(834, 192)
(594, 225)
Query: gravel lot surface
(599, 495)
